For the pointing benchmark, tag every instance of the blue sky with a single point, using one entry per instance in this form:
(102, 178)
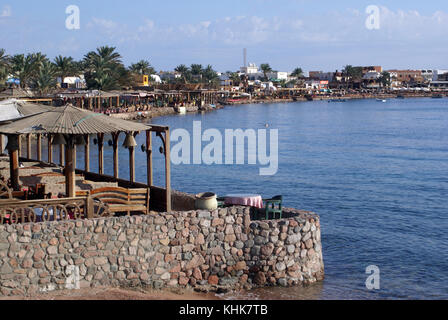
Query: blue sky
(315, 35)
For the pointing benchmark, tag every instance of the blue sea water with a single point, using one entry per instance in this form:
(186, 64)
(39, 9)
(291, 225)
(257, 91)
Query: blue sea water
(376, 173)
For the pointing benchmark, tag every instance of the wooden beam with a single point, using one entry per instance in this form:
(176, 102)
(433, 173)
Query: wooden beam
(61, 155)
(115, 137)
(150, 175)
(132, 162)
(87, 153)
(28, 146)
(1, 144)
(70, 170)
(20, 145)
(14, 162)
(50, 149)
(168, 170)
(100, 137)
(39, 147)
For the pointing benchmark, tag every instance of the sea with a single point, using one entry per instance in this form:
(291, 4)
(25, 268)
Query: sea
(376, 173)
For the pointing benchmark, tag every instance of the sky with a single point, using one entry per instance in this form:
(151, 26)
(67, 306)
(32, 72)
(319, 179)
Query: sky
(314, 35)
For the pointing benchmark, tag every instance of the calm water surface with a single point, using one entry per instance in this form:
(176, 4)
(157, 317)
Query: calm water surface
(376, 173)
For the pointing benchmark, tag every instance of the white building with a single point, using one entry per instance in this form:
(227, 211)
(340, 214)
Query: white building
(278, 75)
(74, 82)
(372, 75)
(251, 69)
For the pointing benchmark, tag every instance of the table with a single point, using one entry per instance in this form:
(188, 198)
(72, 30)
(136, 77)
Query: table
(252, 200)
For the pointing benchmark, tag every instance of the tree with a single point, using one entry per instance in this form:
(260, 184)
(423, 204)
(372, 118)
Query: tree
(385, 79)
(236, 79)
(298, 73)
(266, 68)
(103, 69)
(46, 78)
(352, 74)
(184, 72)
(142, 67)
(24, 68)
(4, 66)
(65, 67)
(209, 74)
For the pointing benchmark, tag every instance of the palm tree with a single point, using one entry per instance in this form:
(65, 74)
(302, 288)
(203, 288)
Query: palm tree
(298, 73)
(103, 68)
(4, 66)
(64, 67)
(209, 74)
(23, 68)
(142, 67)
(184, 71)
(236, 80)
(265, 67)
(196, 71)
(46, 78)
(385, 79)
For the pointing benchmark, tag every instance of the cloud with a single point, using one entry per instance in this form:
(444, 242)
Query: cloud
(6, 11)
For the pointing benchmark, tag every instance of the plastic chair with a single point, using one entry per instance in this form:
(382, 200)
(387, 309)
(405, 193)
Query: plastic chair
(274, 206)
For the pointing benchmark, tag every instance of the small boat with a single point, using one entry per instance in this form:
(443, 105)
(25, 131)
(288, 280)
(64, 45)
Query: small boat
(437, 96)
(381, 100)
(337, 100)
(181, 110)
(400, 96)
(309, 97)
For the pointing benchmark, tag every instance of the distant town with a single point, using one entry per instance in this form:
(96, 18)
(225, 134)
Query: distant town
(102, 74)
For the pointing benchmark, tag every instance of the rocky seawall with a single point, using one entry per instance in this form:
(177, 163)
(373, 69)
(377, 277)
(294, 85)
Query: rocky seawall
(208, 250)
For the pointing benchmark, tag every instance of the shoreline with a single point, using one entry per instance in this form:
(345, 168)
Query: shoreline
(170, 111)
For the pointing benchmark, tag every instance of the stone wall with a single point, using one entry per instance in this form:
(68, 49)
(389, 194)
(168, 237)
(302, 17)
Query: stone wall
(195, 248)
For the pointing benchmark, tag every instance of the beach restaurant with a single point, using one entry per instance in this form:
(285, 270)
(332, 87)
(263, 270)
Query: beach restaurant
(68, 127)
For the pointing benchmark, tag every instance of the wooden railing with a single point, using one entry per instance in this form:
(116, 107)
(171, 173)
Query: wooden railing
(16, 211)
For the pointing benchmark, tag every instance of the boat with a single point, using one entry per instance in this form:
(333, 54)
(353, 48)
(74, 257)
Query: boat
(337, 100)
(437, 96)
(381, 100)
(181, 110)
(309, 97)
(400, 96)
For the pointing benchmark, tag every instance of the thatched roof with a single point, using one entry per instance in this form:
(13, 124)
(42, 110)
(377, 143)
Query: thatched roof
(70, 120)
(13, 109)
(16, 93)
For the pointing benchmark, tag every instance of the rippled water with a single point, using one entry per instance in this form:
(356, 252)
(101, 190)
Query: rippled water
(376, 173)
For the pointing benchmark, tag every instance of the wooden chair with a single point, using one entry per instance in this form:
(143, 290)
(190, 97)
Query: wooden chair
(121, 200)
(273, 206)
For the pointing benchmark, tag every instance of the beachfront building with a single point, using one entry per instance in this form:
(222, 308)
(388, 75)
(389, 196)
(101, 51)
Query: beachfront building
(405, 78)
(169, 76)
(78, 82)
(321, 76)
(251, 69)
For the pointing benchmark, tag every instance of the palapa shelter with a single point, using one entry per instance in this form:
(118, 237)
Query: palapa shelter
(70, 126)
(12, 109)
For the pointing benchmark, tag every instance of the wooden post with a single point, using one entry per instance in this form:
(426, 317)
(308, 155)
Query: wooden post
(87, 153)
(61, 155)
(132, 162)
(149, 158)
(20, 145)
(50, 150)
(168, 170)
(28, 146)
(89, 208)
(115, 147)
(13, 141)
(100, 137)
(39, 147)
(70, 170)
(1, 144)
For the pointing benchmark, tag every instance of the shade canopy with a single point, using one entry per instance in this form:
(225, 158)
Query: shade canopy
(12, 109)
(70, 120)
